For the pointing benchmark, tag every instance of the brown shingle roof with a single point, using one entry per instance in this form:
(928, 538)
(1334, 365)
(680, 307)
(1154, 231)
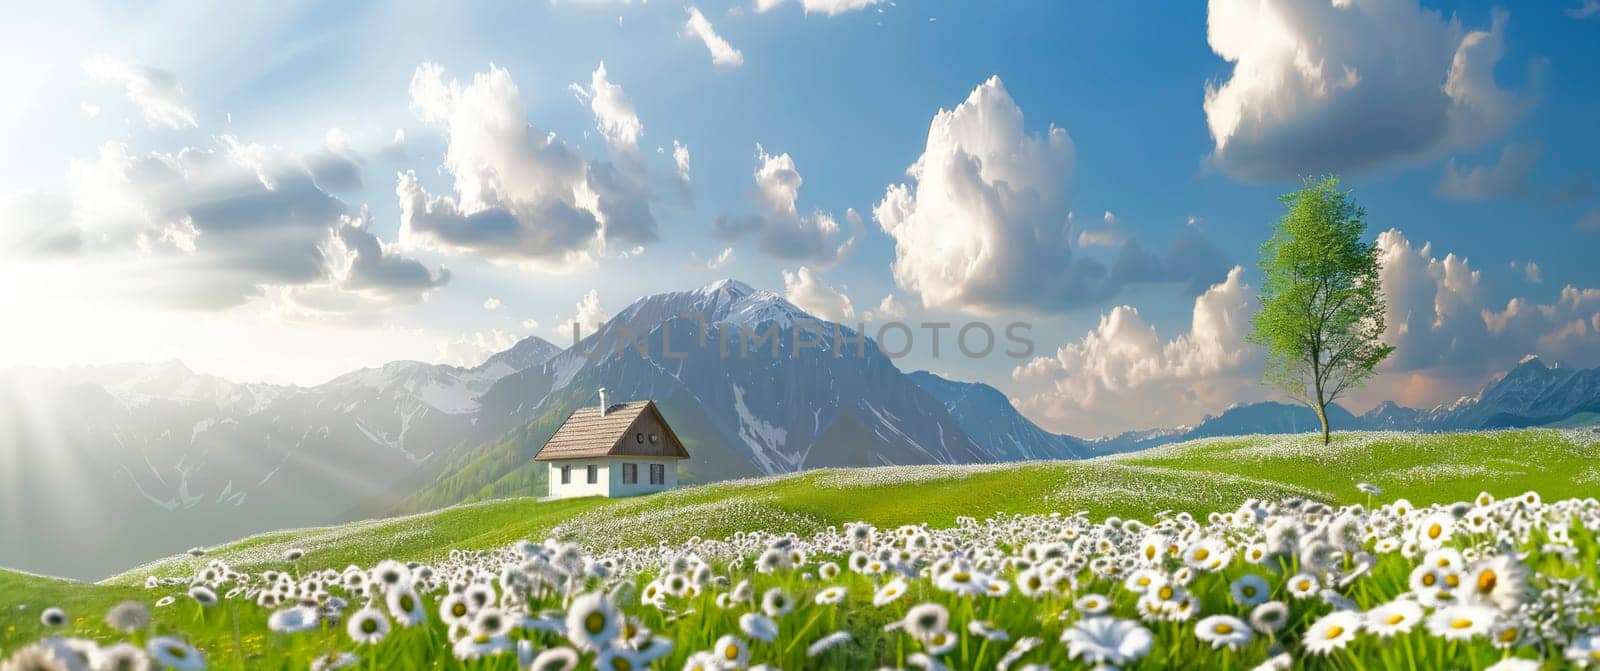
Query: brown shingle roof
(587, 434)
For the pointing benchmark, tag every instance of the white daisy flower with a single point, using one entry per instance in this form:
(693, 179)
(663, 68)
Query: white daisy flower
(1107, 640)
(1249, 589)
(889, 593)
(827, 643)
(1092, 604)
(1393, 618)
(831, 595)
(1302, 585)
(367, 626)
(169, 652)
(1223, 630)
(1461, 622)
(593, 621)
(758, 627)
(731, 651)
(1332, 632)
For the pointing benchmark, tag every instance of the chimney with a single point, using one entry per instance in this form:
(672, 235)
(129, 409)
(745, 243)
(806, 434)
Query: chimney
(603, 403)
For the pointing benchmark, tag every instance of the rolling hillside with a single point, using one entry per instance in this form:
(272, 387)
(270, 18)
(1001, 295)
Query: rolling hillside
(1198, 476)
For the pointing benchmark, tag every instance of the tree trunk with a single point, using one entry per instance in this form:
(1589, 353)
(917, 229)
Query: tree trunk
(1322, 415)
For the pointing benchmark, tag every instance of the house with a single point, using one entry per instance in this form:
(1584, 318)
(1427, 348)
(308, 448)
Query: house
(620, 449)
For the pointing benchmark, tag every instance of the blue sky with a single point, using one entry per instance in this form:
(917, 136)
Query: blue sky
(848, 97)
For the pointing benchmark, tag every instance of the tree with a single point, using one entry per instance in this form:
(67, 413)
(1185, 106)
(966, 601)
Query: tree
(1321, 316)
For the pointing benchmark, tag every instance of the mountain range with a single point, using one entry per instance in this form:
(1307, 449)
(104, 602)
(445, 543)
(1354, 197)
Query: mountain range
(153, 459)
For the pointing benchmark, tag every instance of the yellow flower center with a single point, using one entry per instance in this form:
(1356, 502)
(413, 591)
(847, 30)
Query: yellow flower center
(594, 623)
(1201, 554)
(1395, 619)
(1487, 580)
(1460, 623)
(1334, 632)
(731, 652)
(1435, 530)
(1224, 629)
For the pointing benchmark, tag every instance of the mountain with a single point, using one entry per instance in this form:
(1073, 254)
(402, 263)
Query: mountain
(152, 459)
(1531, 394)
(753, 384)
(991, 421)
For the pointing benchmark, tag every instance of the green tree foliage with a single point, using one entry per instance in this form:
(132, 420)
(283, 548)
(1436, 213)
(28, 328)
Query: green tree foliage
(1321, 316)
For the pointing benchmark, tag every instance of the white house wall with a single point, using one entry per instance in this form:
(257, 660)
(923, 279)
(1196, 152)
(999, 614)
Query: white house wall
(580, 479)
(609, 476)
(643, 486)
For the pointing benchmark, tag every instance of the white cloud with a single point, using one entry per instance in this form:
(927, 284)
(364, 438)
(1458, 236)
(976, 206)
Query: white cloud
(984, 226)
(721, 259)
(1122, 375)
(808, 291)
(491, 303)
(211, 229)
(888, 308)
(472, 349)
(778, 227)
(1506, 178)
(1588, 9)
(614, 114)
(829, 7)
(680, 159)
(1442, 323)
(722, 53)
(1108, 235)
(521, 195)
(154, 91)
(589, 316)
(1334, 86)
(530, 324)
(1531, 273)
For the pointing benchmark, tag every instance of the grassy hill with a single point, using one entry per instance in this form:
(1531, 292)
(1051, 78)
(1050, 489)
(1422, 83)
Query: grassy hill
(1198, 476)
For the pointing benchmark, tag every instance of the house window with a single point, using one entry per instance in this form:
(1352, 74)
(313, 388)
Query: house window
(658, 474)
(566, 475)
(630, 474)
(655, 438)
(638, 438)
(594, 474)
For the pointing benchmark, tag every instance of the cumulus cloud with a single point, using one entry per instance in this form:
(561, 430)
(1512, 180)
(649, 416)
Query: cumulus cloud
(491, 303)
(1531, 273)
(1506, 178)
(1442, 322)
(1588, 9)
(721, 259)
(888, 308)
(1324, 86)
(213, 228)
(1110, 234)
(589, 315)
(1123, 375)
(778, 227)
(614, 114)
(154, 91)
(829, 7)
(359, 261)
(809, 292)
(722, 53)
(984, 225)
(521, 195)
(469, 350)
